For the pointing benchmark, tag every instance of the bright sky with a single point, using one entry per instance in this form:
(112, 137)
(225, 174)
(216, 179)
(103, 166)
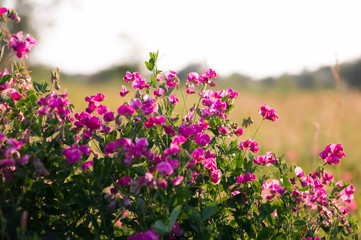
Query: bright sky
(257, 38)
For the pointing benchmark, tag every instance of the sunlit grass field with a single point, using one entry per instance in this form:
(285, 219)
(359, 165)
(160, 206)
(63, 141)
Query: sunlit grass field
(308, 122)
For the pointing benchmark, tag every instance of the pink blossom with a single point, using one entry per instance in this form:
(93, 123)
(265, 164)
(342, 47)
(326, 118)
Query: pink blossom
(268, 113)
(85, 150)
(332, 154)
(159, 92)
(72, 155)
(244, 178)
(110, 148)
(190, 89)
(177, 181)
(136, 103)
(124, 181)
(86, 165)
(193, 77)
(223, 130)
(169, 130)
(124, 91)
(165, 168)
(108, 116)
(216, 176)
(211, 74)
(202, 139)
(20, 46)
(299, 172)
(172, 100)
(126, 110)
(3, 10)
(239, 132)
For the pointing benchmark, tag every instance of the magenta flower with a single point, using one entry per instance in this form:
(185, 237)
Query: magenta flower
(72, 155)
(244, 178)
(190, 89)
(108, 116)
(268, 113)
(202, 139)
(3, 10)
(223, 130)
(299, 172)
(177, 181)
(193, 77)
(124, 91)
(216, 176)
(239, 132)
(211, 74)
(20, 46)
(172, 100)
(86, 165)
(165, 168)
(110, 148)
(124, 181)
(159, 92)
(126, 110)
(169, 130)
(332, 154)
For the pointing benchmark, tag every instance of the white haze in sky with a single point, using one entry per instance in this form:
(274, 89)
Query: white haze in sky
(256, 38)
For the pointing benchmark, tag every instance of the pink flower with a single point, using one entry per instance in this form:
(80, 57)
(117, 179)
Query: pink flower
(223, 130)
(202, 139)
(169, 130)
(190, 89)
(159, 92)
(108, 116)
(126, 110)
(165, 168)
(110, 148)
(268, 113)
(124, 91)
(124, 181)
(177, 181)
(216, 176)
(239, 132)
(72, 155)
(85, 166)
(172, 100)
(21, 47)
(193, 77)
(211, 74)
(244, 178)
(332, 154)
(299, 172)
(3, 10)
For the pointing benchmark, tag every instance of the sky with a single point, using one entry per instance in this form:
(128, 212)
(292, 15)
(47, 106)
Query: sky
(259, 38)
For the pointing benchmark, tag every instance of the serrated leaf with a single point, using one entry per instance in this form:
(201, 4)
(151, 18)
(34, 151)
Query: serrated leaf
(173, 216)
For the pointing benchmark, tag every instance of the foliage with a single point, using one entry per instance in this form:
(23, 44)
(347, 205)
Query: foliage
(146, 172)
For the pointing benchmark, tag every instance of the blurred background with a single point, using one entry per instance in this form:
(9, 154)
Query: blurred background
(301, 58)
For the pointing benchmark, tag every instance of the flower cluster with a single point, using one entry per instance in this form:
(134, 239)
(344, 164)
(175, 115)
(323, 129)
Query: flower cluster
(143, 172)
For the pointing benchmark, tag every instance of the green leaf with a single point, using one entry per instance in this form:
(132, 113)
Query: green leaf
(181, 196)
(280, 236)
(160, 227)
(208, 212)
(299, 223)
(286, 182)
(140, 204)
(150, 64)
(192, 213)
(265, 233)
(173, 216)
(238, 160)
(5, 78)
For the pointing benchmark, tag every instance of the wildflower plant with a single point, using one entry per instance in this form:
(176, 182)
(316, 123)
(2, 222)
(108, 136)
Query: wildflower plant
(144, 171)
